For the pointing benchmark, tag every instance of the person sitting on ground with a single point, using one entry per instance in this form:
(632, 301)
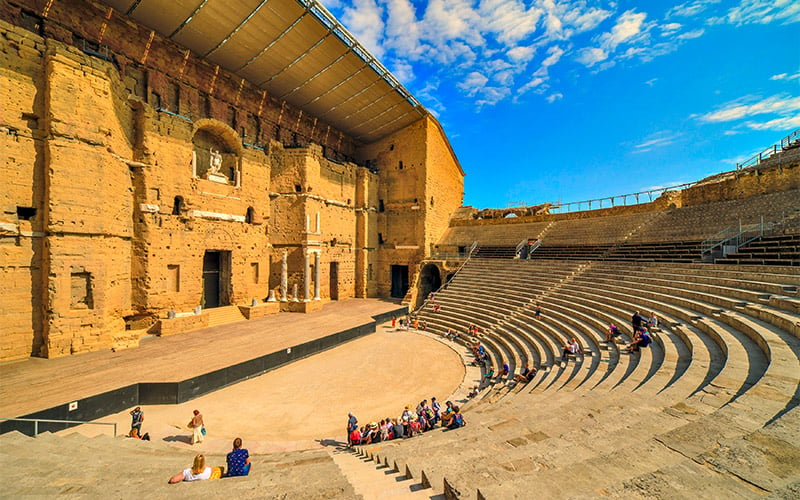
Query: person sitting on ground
(397, 429)
(641, 339)
(473, 392)
(652, 323)
(238, 460)
(385, 429)
(437, 308)
(503, 372)
(457, 420)
(197, 472)
(423, 325)
(526, 375)
(135, 434)
(354, 438)
(571, 348)
(415, 425)
(612, 332)
(448, 414)
(489, 374)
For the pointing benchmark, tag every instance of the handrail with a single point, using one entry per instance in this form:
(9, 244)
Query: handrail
(520, 245)
(738, 236)
(55, 421)
(782, 145)
(444, 284)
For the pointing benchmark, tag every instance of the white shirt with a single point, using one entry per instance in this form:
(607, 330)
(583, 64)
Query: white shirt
(188, 476)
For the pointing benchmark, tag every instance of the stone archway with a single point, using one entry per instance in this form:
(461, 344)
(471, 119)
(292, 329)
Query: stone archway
(430, 279)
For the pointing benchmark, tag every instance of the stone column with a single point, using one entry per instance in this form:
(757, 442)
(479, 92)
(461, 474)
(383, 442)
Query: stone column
(316, 273)
(284, 276)
(318, 223)
(306, 276)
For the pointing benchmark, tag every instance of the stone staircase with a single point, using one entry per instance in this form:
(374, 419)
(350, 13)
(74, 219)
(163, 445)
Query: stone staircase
(223, 315)
(373, 481)
(105, 467)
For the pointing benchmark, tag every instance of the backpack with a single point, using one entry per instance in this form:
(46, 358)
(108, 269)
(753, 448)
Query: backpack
(459, 419)
(645, 341)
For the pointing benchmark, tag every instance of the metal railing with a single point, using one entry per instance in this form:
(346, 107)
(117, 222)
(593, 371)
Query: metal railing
(446, 281)
(732, 238)
(791, 140)
(55, 421)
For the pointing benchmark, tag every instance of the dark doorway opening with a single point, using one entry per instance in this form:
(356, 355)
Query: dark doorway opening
(334, 280)
(430, 279)
(399, 281)
(216, 279)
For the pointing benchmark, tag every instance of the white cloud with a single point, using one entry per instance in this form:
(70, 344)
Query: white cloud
(785, 76)
(657, 140)
(690, 35)
(592, 56)
(473, 83)
(736, 110)
(521, 54)
(761, 12)
(690, 9)
(364, 20)
(651, 82)
(779, 124)
(403, 71)
(402, 28)
(554, 97)
(670, 28)
(628, 26)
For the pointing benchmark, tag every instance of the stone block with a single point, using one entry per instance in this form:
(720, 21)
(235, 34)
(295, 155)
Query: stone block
(301, 307)
(260, 310)
(180, 324)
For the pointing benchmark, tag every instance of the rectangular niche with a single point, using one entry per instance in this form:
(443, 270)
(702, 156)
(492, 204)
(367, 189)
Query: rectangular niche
(254, 272)
(173, 277)
(81, 291)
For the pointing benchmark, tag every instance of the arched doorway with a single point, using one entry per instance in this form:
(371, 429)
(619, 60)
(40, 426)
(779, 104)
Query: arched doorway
(430, 279)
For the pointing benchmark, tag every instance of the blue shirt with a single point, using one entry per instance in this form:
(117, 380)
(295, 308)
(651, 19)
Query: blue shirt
(236, 462)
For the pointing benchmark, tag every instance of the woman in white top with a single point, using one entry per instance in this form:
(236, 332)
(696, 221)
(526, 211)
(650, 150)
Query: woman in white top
(197, 472)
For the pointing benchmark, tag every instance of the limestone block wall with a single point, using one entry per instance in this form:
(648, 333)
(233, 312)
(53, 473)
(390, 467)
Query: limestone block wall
(22, 168)
(89, 202)
(444, 184)
(180, 216)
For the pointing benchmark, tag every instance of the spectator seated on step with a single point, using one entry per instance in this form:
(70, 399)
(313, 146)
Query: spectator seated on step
(571, 348)
(397, 429)
(448, 414)
(238, 460)
(473, 393)
(135, 434)
(457, 420)
(652, 322)
(197, 472)
(526, 375)
(503, 372)
(641, 339)
(612, 332)
(369, 434)
(489, 375)
(354, 438)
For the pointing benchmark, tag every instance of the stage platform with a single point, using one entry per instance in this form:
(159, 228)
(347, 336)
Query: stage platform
(192, 363)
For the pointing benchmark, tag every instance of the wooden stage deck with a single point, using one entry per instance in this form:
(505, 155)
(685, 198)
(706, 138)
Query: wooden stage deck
(34, 384)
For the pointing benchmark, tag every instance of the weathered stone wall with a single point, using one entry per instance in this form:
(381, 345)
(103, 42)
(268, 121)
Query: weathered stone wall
(127, 159)
(22, 170)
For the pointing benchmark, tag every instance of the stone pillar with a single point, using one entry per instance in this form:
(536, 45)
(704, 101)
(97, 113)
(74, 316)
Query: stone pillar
(317, 222)
(284, 276)
(308, 223)
(295, 299)
(306, 276)
(316, 270)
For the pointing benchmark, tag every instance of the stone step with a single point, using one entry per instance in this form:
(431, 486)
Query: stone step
(376, 481)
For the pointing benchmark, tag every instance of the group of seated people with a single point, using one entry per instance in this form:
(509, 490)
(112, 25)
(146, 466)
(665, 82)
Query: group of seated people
(450, 335)
(410, 423)
(481, 356)
(238, 461)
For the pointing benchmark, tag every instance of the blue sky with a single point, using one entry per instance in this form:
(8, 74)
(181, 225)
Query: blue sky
(547, 100)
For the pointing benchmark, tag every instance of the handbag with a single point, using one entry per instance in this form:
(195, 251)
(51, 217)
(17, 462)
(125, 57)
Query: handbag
(203, 430)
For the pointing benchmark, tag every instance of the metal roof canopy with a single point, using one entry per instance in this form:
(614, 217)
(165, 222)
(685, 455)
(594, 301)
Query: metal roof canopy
(295, 50)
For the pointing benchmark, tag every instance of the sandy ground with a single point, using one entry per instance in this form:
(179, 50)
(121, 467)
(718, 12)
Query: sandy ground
(300, 405)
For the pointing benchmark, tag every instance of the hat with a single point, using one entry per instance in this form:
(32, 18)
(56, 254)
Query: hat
(373, 425)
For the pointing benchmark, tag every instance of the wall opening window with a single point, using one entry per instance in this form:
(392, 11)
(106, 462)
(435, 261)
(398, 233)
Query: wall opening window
(174, 98)
(26, 213)
(380, 238)
(81, 291)
(178, 205)
(173, 278)
(250, 216)
(254, 272)
(381, 206)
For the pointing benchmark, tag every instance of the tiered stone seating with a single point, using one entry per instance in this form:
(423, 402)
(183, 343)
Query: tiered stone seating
(719, 386)
(105, 467)
(595, 231)
(698, 222)
(780, 250)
